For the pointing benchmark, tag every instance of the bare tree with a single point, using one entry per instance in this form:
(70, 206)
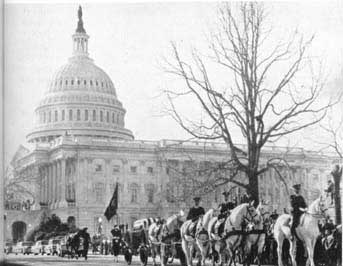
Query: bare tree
(18, 186)
(270, 92)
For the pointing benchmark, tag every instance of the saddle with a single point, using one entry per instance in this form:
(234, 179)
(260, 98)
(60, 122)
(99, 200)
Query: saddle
(191, 230)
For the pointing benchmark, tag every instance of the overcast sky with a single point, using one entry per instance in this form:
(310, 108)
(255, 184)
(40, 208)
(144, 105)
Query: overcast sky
(128, 41)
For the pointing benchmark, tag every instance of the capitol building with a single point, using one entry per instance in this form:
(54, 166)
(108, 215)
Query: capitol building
(79, 148)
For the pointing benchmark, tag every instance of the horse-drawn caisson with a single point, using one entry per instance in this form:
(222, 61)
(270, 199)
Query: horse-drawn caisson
(248, 235)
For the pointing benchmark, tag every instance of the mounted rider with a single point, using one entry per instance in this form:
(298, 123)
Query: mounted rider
(298, 205)
(116, 232)
(194, 214)
(225, 209)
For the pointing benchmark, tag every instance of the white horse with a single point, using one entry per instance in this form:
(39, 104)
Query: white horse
(242, 214)
(307, 230)
(159, 233)
(201, 240)
(257, 235)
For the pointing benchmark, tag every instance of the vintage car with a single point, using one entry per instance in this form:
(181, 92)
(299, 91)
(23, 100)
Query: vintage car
(8, 247)
(23, 247)
(39, 247)
(54, 247)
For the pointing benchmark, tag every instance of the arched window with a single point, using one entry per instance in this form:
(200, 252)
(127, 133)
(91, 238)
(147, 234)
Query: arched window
(49, 119)
(101, 116)
(66, 82)
(94, 115)
(44, 117)
(56, 116)
(102, 84)
(91, 82)
(78, 115)
(72, 82)
(70, 115)
(113, 118)
(63, 115)
(78, 82)
(86, 115)
(117, 118)
(134, 192)
(96, 83)
(85, 82)
(108, 117)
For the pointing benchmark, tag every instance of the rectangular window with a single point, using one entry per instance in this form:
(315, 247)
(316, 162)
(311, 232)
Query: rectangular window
(70, 115)
(56, 116)
(98, 168)
(63, 115)
(94, 115)
(86, 115)
(101, 116)
(49, 116)
(115, 169)
(150, 170)
(107, 117)
(133, 169)
(99, 192)
(78, 115)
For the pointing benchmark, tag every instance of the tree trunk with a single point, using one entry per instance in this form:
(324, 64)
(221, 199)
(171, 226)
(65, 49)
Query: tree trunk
(253, 188)
(337, 176)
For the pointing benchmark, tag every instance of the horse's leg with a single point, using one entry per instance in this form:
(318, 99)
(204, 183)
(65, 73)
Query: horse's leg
(279, 241)
(310, 247)
(186, 251)
(292, 251)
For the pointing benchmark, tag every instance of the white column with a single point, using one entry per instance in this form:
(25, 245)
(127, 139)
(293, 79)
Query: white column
(58, 182)
(46, 190)
(54, 177)
(63, 202)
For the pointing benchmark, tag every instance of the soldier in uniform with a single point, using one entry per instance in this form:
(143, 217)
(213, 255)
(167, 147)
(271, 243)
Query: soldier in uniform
(330, 190)
(226, 206)
(297, 202)
(194, 213)
(224, 209)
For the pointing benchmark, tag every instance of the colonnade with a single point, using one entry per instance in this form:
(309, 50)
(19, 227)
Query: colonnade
(53, 184)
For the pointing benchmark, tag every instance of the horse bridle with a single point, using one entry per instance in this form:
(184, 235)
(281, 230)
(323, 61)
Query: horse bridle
(251, 216)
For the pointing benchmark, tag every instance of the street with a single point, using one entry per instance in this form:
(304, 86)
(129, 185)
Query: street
(93, 260)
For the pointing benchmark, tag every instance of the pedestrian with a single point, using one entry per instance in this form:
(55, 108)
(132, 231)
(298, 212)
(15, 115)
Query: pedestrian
(86, 240)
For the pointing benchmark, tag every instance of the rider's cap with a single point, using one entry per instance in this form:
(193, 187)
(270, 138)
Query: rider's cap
(196, 198)
(296, 186)
(226, 193)
(85, 228)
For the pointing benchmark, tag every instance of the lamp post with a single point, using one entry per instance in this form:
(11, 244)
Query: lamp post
(99, 225)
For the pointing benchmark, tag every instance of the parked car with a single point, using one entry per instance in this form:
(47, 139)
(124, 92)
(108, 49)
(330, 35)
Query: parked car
(23, 247)
(27, 247)
(64, 250)
(8, 247)
(54, 247)
(39, 247)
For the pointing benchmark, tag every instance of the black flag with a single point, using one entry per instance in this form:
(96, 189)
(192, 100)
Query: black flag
(112, 207)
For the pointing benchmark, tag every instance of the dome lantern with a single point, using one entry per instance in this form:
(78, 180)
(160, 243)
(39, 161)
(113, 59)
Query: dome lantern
(80, 38)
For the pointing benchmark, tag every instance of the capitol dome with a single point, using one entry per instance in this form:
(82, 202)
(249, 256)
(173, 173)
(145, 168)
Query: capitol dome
(81, 100)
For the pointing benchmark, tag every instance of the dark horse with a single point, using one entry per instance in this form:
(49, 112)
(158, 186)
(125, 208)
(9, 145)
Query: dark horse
(73, 245)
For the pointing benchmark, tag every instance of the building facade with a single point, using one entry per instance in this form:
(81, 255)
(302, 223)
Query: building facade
(80, 148)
